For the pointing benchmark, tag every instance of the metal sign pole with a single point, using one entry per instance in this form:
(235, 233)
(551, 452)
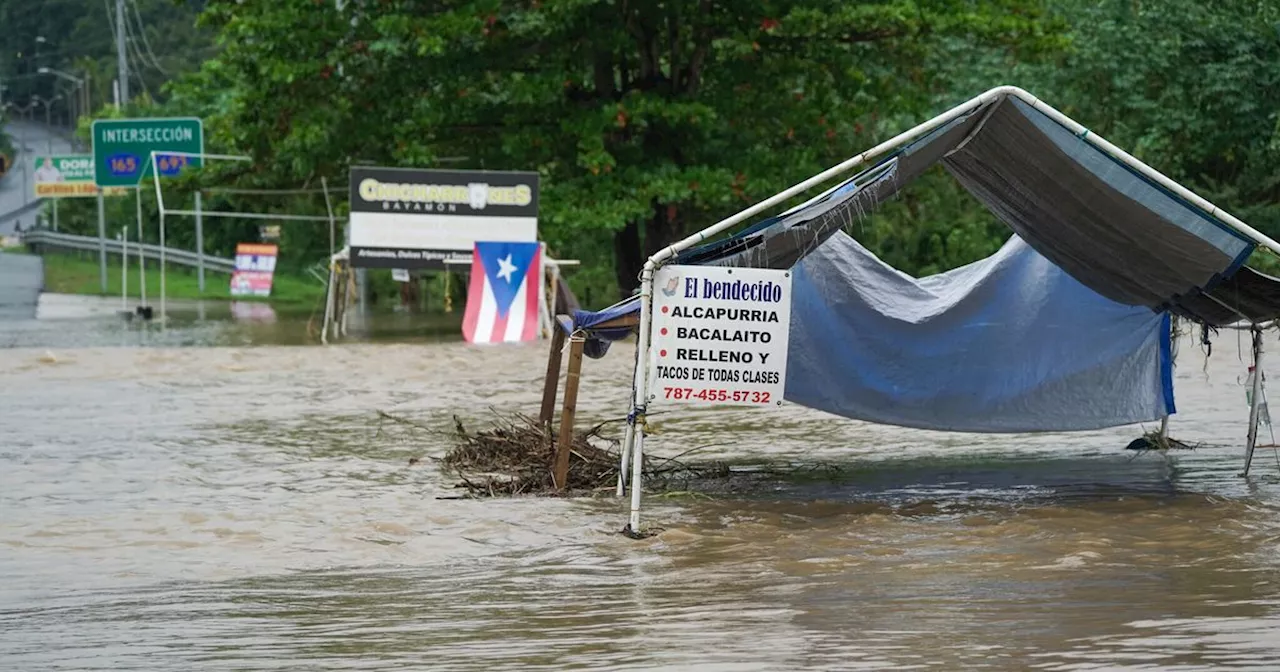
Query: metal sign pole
(155, 179)
(200, 241)
(124, 269)
(142, 259)
(102, 242)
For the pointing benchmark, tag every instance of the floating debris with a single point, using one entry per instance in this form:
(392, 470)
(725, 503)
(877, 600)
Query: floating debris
(516, 455)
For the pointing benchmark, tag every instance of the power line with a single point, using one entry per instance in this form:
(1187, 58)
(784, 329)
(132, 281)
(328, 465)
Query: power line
(122, 66)
(135, 60)
(142, 30)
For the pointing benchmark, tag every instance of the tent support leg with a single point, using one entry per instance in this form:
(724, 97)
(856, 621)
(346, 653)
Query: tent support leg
(1255, 402)
(328, 308)
(553, 379)
(565, 442)
(637, 485)
(640, 398)
(628, 440)
(1164, 432)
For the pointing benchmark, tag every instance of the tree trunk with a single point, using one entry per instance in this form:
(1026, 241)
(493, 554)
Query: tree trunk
(630, 252)
(628, 258)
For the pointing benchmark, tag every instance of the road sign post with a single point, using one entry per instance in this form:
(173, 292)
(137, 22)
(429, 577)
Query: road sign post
(122, 148)
(125, 150)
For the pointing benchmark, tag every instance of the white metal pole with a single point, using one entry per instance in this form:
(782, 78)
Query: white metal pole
(640, 390)
(102, 241)
(637, 479)
(1255, 402)
(328, 307)
(199, 242)
(124, 269)
(627, 441)
(163, 313)
(155, 180)
(142, 259)
(546, 299)
(55, 213)
(328, 206)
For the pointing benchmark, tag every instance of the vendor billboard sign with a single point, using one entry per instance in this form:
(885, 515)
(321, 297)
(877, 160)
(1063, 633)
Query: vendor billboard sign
(414, 219)
(720, 336)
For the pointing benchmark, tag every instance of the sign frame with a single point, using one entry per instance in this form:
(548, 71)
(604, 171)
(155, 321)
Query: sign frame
(135, 156)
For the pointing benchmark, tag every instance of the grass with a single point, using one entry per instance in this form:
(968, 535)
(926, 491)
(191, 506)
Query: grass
(71, 274)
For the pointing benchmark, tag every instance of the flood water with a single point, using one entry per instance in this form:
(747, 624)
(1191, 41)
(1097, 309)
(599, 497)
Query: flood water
(220, 495)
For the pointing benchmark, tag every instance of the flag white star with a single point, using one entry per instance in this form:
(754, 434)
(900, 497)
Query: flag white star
(506, 268)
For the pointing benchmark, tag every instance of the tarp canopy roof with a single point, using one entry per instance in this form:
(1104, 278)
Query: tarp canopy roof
(1111, 228)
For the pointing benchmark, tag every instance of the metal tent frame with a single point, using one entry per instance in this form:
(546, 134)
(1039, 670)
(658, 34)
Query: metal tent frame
(200, 213)
(633, 443)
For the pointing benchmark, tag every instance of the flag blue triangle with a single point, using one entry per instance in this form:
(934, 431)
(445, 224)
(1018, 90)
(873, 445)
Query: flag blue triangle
(505, 267)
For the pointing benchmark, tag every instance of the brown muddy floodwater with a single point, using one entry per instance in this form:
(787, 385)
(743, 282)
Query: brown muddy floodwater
(200, 498)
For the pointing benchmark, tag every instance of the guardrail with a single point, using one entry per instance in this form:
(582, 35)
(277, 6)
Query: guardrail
(43, 238)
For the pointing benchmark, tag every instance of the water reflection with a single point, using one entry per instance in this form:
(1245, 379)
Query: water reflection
(231, 508)
(101, 321)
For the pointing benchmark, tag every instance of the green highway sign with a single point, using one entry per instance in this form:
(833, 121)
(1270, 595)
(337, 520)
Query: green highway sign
(122, 148)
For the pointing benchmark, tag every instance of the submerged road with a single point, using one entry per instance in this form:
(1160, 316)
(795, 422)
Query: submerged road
(31, 140)
(21, 279)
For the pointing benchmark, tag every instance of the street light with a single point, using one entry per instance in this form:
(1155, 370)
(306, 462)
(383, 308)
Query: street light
(48, 107)
(82, 90)
(24, 161)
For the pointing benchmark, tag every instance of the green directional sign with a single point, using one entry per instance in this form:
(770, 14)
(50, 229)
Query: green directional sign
(122, 148)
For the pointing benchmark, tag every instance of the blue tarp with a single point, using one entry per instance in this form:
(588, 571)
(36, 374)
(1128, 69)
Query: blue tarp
(1010, 343)
(598, 340)
(1065, 328)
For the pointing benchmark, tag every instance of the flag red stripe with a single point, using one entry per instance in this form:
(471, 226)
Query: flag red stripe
(532, 291)
(499, 333)
(475, 295)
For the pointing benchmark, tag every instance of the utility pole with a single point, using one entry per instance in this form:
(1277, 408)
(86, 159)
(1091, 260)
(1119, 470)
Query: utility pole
(121, 63)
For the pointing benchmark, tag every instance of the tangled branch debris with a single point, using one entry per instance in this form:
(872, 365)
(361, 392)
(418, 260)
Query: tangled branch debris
(515, 457)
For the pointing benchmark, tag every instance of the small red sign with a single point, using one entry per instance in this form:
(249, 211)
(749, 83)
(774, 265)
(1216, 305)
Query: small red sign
(255, 269)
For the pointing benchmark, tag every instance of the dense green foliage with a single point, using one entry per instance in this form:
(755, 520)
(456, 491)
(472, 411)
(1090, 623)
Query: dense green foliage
(648, 120)
(78, 38)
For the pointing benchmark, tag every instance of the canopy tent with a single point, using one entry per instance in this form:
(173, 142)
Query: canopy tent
(1065, 328)
(1115, 230)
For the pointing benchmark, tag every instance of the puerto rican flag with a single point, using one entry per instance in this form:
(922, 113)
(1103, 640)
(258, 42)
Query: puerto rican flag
(505, 293)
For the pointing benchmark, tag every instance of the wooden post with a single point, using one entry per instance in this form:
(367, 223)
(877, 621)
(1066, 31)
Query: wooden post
(576, 343)
(1255, 400)
(553, 379)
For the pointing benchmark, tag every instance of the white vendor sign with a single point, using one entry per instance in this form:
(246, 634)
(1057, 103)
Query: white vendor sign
(719, 336)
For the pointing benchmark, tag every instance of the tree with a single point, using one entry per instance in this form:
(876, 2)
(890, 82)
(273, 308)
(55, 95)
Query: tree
(79, 37)
(645, 118)
(1191, 88)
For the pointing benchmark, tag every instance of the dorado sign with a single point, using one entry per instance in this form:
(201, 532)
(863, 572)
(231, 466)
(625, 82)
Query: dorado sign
(67, 176)
(412, 219)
